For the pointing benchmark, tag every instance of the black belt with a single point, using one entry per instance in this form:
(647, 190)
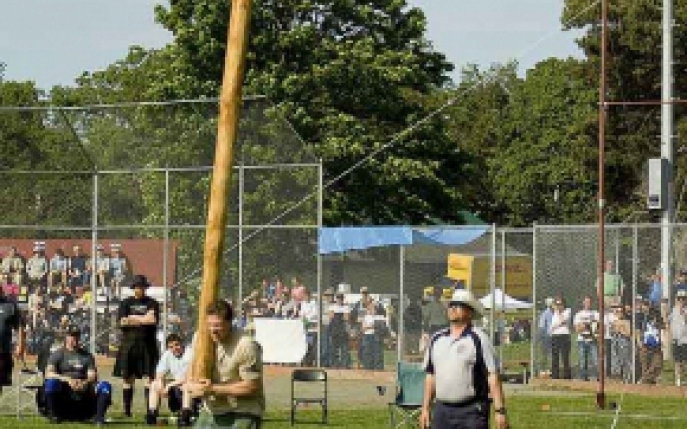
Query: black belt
(463, 403)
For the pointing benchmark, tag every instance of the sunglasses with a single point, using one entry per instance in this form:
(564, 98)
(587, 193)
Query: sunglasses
(454, 304)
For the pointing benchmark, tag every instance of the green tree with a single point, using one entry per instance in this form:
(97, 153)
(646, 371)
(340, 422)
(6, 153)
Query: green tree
(30, 142)
(543, 166)
(475, 119)
(349, 76)
(634, 74)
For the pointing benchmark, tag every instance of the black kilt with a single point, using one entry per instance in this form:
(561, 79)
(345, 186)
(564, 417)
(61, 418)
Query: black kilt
(6, 368)
(137, 359)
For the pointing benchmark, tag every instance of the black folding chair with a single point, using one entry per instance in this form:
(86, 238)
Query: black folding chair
(299, 376)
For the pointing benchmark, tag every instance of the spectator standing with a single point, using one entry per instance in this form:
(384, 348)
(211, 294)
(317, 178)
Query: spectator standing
(412, 326)
(308, 311)
(79, 268)
(11, 290)
(12, 267)
(279, 288)
(678, 326)
(59, 267)
(37, 268)
(360, 311)
(621, 353)
(298, 290)
(560, 340)
(681, 283)
(119, 270)
(138, 354)
(655, 291)
(339, 314)
(325, 347)
(370, 344)
(613, 285)
(184, 311)
(586, 324)
(434, 313)
(10, 322)
(651, 354)
(544, 324)
(38, 303)
(101, 266)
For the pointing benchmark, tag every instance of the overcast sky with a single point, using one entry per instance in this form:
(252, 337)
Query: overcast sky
(52, 42)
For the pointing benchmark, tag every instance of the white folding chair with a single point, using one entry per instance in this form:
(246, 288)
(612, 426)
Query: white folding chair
(22, 393)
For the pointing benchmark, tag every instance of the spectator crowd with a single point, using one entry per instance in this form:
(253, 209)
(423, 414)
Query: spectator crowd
(640, 332)
(55, 291)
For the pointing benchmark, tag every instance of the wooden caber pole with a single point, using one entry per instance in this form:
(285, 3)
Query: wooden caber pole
(227, 127)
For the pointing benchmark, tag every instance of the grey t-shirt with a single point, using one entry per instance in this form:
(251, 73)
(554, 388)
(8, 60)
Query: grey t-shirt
(10, 319)
(72, 363)
(454, 364)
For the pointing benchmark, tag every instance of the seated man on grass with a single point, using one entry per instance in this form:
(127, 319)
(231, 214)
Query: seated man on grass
(72, 390)
(170, 375)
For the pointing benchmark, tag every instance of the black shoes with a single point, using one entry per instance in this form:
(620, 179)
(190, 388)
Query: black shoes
(151, 418)
(55, 420)
(184, 419)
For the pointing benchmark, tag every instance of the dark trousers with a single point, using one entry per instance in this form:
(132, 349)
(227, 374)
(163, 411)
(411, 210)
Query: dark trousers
(560, 352)
(61, 401)
(652, 364)
(340, 356)
(370, 351)
(473, 416)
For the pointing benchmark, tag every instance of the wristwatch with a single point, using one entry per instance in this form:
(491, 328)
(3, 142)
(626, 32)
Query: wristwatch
(501, 411)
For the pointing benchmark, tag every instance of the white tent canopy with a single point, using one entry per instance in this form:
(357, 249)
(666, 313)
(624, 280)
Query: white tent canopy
(503, 301)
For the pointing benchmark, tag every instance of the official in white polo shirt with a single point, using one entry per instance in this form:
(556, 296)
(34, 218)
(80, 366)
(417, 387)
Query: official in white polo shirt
(461, 372)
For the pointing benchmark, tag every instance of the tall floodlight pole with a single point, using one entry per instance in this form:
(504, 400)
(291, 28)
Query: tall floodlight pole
(601, 203)
(227, 125)
(667, 152)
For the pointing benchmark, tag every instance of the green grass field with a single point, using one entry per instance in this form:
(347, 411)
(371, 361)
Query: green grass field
(525, 411)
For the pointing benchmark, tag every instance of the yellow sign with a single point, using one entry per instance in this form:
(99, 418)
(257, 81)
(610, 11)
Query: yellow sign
(475, 272)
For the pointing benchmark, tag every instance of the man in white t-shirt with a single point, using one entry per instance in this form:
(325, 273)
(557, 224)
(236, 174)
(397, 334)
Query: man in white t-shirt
(586, 324)
(308, 311)
(560, 331)
(170, 375)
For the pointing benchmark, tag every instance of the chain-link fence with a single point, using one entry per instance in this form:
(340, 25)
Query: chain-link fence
(93, 195)
(384, 301)
(643, 322)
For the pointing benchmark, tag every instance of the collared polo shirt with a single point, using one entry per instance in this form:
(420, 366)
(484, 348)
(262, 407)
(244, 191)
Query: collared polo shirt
(453, 362)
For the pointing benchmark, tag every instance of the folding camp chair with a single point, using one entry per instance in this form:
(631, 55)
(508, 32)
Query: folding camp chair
(23, 392)
(410, 383)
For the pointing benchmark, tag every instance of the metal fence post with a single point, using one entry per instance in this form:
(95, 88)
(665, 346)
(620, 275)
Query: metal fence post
(240, 249)
(534, 329)
(165, 258)
(94, 262)
(635, 265)
(492, 281)
(320, 204)
(399, 342)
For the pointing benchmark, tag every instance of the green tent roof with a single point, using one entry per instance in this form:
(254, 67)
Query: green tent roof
(466, 218)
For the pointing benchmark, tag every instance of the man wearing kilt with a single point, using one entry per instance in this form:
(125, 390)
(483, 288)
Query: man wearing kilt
(138, 353)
